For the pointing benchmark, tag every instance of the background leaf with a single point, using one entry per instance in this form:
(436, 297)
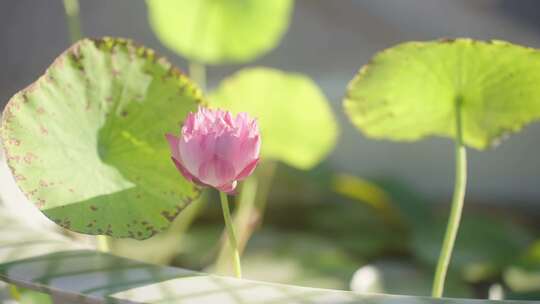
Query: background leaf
(86, 144)
(484, 247)
(52, 264)
(399, 277)
(209, 31)
(296, 122)
(523, 276)
(409, 91)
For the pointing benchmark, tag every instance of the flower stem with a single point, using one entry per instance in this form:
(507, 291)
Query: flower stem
(231, 235)
(248, 216)
(456, 209)
(72, 15)
(197, 72)
(243, 223)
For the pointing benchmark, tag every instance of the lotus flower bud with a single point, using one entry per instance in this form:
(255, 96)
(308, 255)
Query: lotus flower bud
(216, 150)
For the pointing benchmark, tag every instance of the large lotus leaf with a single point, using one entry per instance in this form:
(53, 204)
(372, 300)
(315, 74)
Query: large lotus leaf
(296, 122)
(411, 91)
(210, 31)
(86, 144)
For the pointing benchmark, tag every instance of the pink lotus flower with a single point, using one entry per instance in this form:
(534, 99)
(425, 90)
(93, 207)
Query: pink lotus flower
(214, 149)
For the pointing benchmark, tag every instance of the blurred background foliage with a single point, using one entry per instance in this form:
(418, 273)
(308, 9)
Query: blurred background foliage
(316, 234)
(217, 32)
(371, 216)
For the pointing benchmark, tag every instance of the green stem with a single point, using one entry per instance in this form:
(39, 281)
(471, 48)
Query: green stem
(72, 15)
(244, 219)
(197, 72)
(249, 215)
(230, 232)
(457, 208)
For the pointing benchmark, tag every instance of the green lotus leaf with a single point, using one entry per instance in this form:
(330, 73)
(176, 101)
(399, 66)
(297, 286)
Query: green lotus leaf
(296, 122)
(411, 91)
(85, 142)
(225, 31)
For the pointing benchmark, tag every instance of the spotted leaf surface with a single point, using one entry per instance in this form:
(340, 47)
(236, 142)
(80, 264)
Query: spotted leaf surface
(86, 144)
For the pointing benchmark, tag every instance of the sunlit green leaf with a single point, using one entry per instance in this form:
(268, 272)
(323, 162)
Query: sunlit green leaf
(210, 31)
(410, 91)
(85, 142)
(297, 124)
